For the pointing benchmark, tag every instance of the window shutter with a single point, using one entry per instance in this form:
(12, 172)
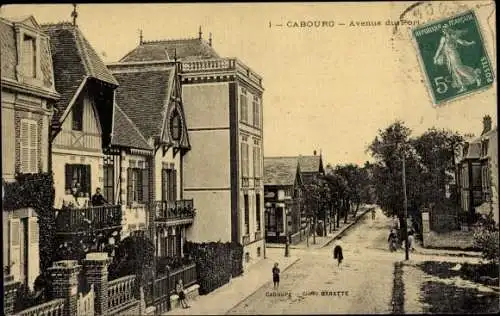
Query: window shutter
(15, 246)
(33, 250)
(33, 147)
(164, 185)
(129, 186)
(25, 146)
(174, 184)
(68, 173)
(145, 185)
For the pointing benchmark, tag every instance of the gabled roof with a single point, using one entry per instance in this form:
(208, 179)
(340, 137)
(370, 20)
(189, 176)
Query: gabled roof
(143, 95)
(9, 53)
(474, 146)
(310, 163)
(126, 133)
(280, 170)
(74, 61)
(184, 49)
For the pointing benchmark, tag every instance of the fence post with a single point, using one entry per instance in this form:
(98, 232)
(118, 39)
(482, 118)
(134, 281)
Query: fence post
(425, 227)
(96, 271)
(10, 288)
(64, 275)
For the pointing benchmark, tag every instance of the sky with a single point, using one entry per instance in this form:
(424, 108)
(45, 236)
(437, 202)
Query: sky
(328, 89)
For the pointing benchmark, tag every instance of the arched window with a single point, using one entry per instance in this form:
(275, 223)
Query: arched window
(175, 125)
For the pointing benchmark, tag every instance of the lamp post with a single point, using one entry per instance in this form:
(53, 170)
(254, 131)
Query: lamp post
(287, 243)
(405, 206)
(267, 205)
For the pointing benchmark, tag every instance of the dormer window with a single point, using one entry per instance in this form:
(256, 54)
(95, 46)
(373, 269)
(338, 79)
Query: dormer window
(29, 54)
(175, 126)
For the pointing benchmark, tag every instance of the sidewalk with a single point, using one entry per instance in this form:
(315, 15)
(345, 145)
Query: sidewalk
(323, 241)
(227, 296)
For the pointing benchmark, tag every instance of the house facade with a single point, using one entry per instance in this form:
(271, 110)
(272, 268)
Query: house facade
(478, 172)
(282, 196)
(222, 100)
(151, 137)
(28, 96)
(81, 132)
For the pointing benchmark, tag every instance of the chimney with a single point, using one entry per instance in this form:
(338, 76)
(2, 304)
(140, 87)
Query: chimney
(210, 39)
(140, 37)
(314, 152)
(199, 33)
(486, 124)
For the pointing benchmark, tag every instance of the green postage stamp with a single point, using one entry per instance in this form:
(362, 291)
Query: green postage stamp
(453, 57)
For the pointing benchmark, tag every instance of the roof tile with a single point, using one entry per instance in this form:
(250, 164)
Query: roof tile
(280, 170)
(126, 133)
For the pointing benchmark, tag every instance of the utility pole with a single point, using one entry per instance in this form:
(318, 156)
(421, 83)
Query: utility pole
(405, 208)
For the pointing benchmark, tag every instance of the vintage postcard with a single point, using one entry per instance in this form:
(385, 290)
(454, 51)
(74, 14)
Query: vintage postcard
(249, 158)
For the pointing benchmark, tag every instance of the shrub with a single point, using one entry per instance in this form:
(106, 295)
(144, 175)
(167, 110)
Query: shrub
(216, 263)
(486, 237)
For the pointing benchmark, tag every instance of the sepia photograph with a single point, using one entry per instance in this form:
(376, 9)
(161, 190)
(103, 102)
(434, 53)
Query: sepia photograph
(249, 158)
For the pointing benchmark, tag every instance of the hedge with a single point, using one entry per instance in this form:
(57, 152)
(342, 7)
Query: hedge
(216, 263)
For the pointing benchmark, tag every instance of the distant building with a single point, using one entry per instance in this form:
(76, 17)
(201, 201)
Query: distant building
(222, 172)
(282, 196)
(311, 167)
(28, 96)
(478, 172)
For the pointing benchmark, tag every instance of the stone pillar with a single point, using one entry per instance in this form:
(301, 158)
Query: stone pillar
(9, 294)
(95, 267)
(425, 227)
(64, 275)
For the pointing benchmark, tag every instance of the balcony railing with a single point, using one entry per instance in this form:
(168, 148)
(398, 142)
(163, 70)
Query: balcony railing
(121, 291)
(52, 308)
(221, 64)
(80, 219)
(174, 210)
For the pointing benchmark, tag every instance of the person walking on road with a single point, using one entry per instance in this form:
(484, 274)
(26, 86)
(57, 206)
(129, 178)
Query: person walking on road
(338, 252)
(411, 240)
(392, 240)
(276, 276)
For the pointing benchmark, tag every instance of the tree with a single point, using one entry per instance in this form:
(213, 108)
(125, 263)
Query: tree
(337, 188)
(437, 149)
(314, 197)
(387, 149)
(134, 255)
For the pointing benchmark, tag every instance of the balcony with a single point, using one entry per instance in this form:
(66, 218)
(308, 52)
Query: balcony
(174, 212)
(222, 65)
(75, 220)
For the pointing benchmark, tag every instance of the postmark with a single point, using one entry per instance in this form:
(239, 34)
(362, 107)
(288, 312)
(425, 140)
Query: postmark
(453, 57)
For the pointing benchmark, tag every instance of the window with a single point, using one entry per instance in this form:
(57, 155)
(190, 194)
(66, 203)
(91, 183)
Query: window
(244, 105)
(78, 115)
(78, 174)
(28, 59)
(258, 251)
(175, 126)
(247, 215)
(244, 159)
(476, 176)
(108, 189)
(257, 211)
(169, 185)
(256, 111)
(137, 185)
(29, 146)
(484, 148)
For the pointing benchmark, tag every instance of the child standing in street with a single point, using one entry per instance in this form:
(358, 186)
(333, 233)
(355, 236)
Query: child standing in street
(276, 276)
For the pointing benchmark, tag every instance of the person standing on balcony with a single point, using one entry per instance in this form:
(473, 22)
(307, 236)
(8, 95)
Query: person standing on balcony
(98, 199)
